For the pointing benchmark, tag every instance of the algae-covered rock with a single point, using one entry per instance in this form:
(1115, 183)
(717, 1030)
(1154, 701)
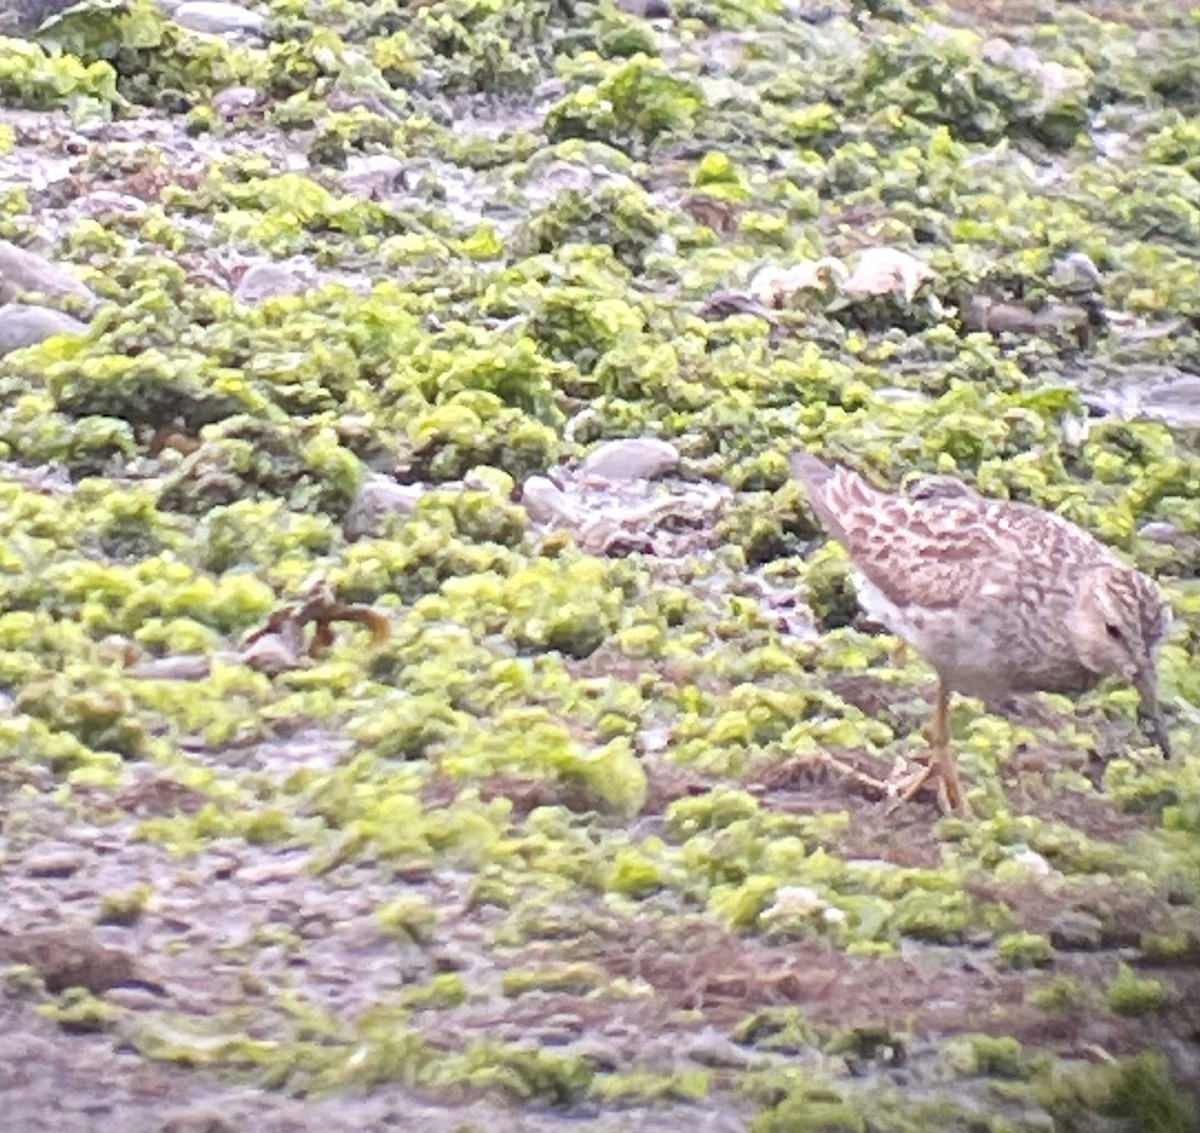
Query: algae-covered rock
(1129, 994)
(632, 106)
(476, 428)
(156, 61)
(1024, 950)
(620, 216)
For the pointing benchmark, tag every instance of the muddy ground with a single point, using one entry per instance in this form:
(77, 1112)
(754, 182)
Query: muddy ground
(201, 935)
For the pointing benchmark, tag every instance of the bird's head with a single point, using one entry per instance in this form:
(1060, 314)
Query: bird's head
(1118, 622)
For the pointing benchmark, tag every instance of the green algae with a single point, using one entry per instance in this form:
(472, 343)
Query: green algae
(480, 736)
(797, 1102)
(78, 1012)
(37, 79)
(1024, 950)
(1129, 994)
(125, 908)
(996, 1057)
(409, 919)
(1137, 1090)
(686, 1086)
(632, 106)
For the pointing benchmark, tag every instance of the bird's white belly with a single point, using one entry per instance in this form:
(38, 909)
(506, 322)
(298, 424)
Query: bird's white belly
(964, 652)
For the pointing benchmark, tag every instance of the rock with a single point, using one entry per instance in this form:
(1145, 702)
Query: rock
(23, 272)
(723, 303)
(716, 1051)
(218, 17)
(638, 458)
(646, 9)
(100, 204)
(233, 100)
(55, 861)
(601, 1054)
(271, 871)
(72, 958)
(545, 502)
(23, 17)
(269, 280)
(22, 325)
(199, 1119)
(1077, 274)
(984, 314)
(1034, 863)
(374, 176)
(1075, 931)
(182, 667)
(379, 496)
(1176, 402)
(809, 13)
(1158, 531)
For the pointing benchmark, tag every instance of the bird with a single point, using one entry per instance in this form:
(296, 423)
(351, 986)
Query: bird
(998, 597)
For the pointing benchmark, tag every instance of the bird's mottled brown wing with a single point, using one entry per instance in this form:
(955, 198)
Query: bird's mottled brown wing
(930, 553)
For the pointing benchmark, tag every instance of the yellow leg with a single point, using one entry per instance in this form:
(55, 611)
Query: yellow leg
(950, 793)
(941, 765)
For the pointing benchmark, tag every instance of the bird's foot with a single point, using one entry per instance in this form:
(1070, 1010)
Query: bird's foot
(908, 776)
(846, 772)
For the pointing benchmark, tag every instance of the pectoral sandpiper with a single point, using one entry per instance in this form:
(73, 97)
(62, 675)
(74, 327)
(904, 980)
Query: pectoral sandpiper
(998, 597)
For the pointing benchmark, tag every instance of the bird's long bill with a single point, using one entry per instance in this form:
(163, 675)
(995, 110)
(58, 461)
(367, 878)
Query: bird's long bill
(1150, 712)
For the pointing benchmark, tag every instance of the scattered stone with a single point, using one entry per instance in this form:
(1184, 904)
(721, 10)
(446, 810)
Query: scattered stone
(717, 1052)
(725, 302)
(809, 13)
(995, 317)
(22, 325)
(713, 212)
(602, 1054)
(217, 17)
(646, 9)
(374, 176)
(637, 458)
(1176, 402)
(233, 100)
(160, 795)
(183, 667)
(379, 496)
(101, 204)
(1034, 862)
(69, 957)
(55, 861)
(544, 501)
(23, 17)
(23, 272)
(273, 870)
(1168, 534)
(275, 653)
(793, 901)
(197, 1120)
(1076, 931)
(1077, 274)
(269, 280)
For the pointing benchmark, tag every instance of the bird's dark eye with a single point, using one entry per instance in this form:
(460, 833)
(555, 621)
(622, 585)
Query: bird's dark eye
(1113, 632)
